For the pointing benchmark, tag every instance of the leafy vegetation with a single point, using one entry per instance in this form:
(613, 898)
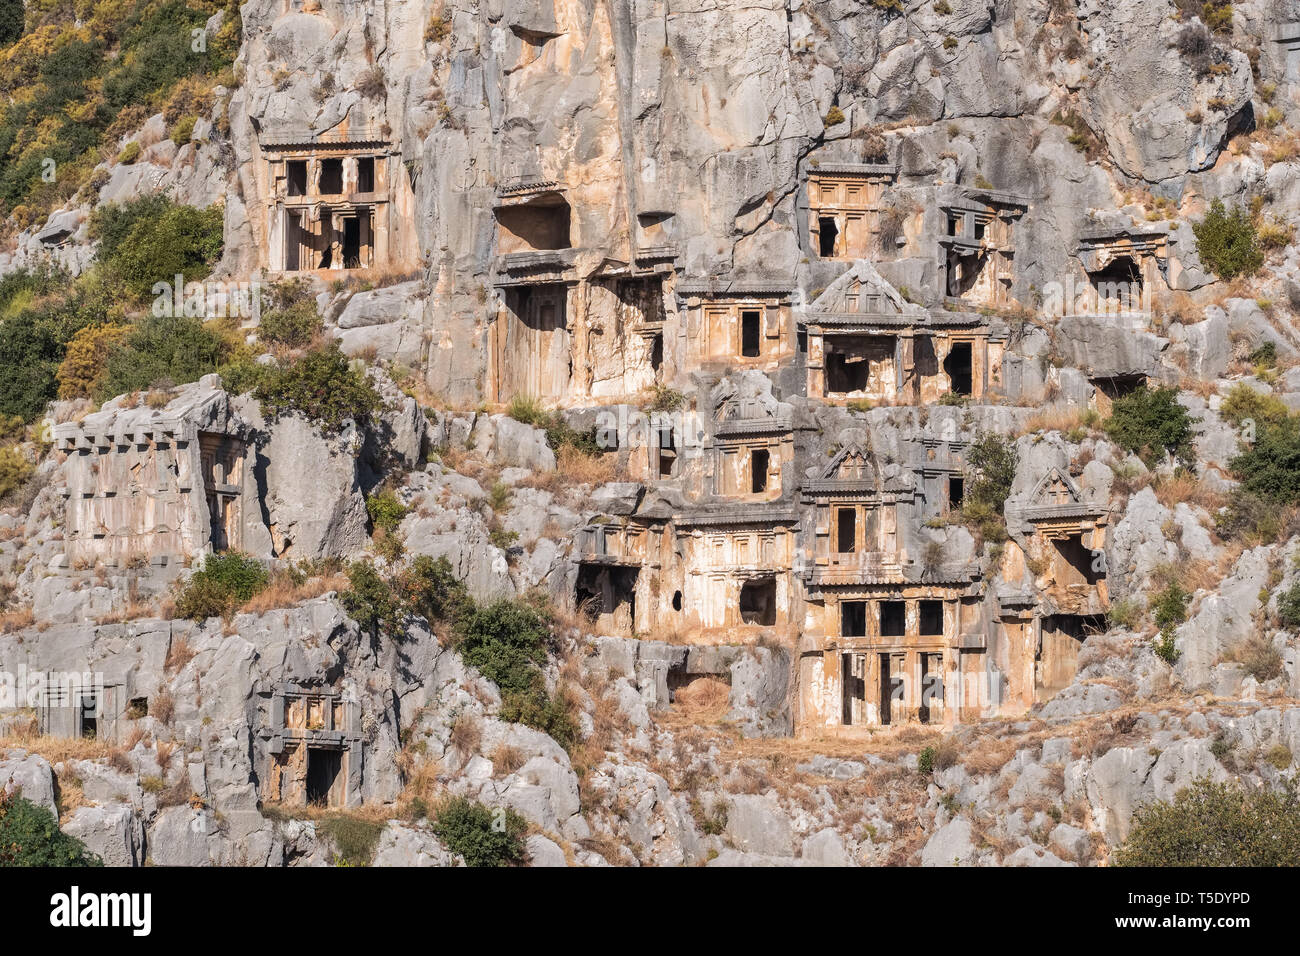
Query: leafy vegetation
(484, 837)
(386, 510)
(293, 321)
(1226, 241)
(354, 837)
(223, 583)
(153, 239)
(1271, 468)
(505, 640)
(1149, 422)
(30, 836)
(162, 349)
(1288, 606)
(992, 462)
(84, 74)
(1216, 824)
(1244, 404)
(323, 386)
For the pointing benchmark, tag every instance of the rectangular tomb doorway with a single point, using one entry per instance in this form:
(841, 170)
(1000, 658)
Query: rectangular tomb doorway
(758, 602)
(854, 678)
(324, 772)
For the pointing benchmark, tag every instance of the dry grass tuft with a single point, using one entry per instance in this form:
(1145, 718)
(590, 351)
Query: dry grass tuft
(580, 468)
(282, 592)
(706, 699)
(465, 734)
(507, 759)
(178, 655)
(11, 621)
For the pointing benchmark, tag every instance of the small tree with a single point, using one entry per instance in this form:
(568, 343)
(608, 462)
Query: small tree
(30, 836)
(323, 386)
(1150, 422)
(484, 837)
(1271, 469)
(225, 582)
(1226, 241)
(993, 461)
(1216, 824)
(11, 21)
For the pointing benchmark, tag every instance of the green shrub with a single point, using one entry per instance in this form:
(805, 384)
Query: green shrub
(484, 837)
(354, 837)
(323, 387)
(294, 326)
(1150, 422)
(505, 641)
(523, 408)
(1248, 517)
(183, 130)
(1166, 647)
(526, 409)
(925, 761)
(666, 399)
(1271, 468)
(162, 348)
(431, 589)
(223, 583)
(1288, 606)
(552, 715)
(33, 338)
(130, 153)
(1243, 403)
(386, 510)
(1265, 356)
(153, 239)
(1226, 241)
(1169, 606)
(30, 836)
(15, 469)
(11, 21)
(1123, 613)
(1216, 824)
(370, 601)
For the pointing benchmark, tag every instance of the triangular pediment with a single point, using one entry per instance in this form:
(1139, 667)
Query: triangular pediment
(1054, 489)
(852, 463)
(861, 290)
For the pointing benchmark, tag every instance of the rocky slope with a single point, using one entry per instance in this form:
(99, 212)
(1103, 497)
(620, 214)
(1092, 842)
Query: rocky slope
(696, 127)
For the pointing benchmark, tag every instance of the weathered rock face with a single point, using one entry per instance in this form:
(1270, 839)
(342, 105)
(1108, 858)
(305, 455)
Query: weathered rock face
(614, 207)
(695, 130)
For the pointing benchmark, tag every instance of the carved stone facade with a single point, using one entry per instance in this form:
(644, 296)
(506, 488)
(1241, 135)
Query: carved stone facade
(865, 342)
(314, 748)
(1127, 270)
(979, 246)
(844, 209)
(335, 202)
(159, 486)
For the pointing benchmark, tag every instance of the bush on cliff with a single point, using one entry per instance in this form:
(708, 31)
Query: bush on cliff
(323, 386)
(30, 836)
(153, 239)
(224, 582)
(1226, 241)
(1149, 422)
(1216, 824)
(483, 836)
(168, 349)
